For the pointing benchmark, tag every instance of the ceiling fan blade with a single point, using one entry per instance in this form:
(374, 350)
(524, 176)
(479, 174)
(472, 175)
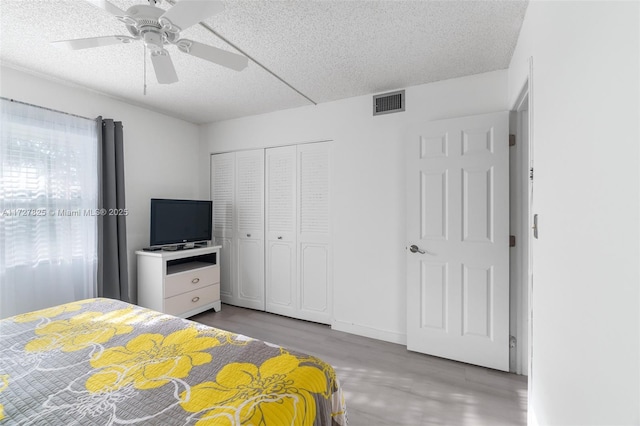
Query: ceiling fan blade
(85, 43)
(109, 7)
(186, 13)
(163, 66)
(213, 54)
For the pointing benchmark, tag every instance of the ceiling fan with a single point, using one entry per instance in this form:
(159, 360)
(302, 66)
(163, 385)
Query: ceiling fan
(158, 28)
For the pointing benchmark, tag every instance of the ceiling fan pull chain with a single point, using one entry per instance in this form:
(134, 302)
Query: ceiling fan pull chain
(144, 69)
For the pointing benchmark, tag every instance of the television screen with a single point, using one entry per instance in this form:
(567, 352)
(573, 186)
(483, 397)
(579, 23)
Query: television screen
(179, 221)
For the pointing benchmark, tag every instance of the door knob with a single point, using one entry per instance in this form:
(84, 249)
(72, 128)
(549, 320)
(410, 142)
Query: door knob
(415, 249)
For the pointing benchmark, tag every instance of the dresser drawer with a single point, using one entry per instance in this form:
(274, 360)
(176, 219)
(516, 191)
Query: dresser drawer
(185, 302)
(190, 280)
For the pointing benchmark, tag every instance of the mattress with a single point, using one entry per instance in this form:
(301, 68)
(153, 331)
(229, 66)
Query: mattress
(104, 362)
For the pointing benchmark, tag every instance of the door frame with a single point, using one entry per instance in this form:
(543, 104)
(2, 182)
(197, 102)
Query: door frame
(521, 285)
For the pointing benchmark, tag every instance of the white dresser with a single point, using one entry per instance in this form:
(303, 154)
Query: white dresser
(182, 282)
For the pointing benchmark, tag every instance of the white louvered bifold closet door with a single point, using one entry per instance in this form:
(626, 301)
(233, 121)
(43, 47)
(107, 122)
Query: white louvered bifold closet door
(237, 191)
(250, 228)
(281, 235)
(223, 196)
(271, 217)
(314, 232)
(298, 251)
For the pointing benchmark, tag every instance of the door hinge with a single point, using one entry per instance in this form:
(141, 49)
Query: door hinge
(512, 240)
(512, 342)
(512, 140)
(531, 173)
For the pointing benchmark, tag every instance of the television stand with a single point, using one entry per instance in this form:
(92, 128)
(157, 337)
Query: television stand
(180, 282)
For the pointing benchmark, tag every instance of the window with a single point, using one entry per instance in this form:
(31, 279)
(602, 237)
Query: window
(48, 199)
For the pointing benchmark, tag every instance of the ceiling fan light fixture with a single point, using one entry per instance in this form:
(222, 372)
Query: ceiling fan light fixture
(153, 40)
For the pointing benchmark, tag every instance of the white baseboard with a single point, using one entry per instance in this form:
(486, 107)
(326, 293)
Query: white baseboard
(374, 333)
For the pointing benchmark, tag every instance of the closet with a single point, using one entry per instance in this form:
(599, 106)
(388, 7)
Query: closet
(271, 217)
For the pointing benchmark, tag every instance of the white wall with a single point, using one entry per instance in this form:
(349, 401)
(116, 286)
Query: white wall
(586, 300)
(368, 211)
(160, 152)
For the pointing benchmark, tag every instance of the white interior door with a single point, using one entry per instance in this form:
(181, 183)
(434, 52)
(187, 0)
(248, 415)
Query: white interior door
(458, 239)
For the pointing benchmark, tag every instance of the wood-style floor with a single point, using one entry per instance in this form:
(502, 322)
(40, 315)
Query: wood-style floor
(383, 383)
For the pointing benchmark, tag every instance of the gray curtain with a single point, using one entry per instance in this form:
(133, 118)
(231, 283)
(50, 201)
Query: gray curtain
(113, 273)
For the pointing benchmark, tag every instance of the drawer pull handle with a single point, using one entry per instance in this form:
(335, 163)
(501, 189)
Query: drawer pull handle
(195, 299)
(248, 235)
(279, 238)
(195, 280)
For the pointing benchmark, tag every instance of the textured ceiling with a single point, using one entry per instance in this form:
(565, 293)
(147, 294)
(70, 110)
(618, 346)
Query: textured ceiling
(328, 50)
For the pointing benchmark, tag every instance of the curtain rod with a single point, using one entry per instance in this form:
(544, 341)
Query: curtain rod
(48, 109)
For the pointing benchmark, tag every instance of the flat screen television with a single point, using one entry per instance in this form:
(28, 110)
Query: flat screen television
(177, 222)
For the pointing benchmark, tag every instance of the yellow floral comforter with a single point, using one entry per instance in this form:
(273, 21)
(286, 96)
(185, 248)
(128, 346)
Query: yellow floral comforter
(104, 362)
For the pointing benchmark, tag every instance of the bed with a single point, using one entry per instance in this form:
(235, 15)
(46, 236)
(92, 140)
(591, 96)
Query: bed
(103, 362)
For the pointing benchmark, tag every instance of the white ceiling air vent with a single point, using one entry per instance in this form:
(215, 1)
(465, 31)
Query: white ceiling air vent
(388, 102)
